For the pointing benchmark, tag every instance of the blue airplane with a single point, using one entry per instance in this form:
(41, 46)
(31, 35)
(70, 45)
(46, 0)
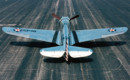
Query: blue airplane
(65, 38)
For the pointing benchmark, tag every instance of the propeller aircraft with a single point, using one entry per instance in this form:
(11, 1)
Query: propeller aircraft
(65, 38)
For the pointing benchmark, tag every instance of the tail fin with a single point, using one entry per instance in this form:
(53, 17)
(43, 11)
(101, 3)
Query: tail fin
(77, 52)
(54, 52)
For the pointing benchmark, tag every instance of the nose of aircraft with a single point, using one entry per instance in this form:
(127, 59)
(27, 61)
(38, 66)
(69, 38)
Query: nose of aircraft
(65, 20)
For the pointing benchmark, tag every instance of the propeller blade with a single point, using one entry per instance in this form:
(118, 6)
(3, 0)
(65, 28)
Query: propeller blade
(74, 17)
(57, 17)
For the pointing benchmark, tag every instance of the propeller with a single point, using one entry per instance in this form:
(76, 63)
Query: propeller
(74, 17)
(57, 17)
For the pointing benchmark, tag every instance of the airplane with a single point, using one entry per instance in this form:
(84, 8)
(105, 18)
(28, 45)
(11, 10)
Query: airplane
(65, 38)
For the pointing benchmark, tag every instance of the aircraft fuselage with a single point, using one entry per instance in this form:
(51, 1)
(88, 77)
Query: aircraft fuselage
(65, 36)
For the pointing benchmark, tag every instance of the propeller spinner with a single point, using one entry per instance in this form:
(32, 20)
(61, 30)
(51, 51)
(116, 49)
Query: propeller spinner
(57, 17)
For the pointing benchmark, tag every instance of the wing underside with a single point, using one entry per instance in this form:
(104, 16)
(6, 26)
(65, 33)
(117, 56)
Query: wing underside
(38, 34)
(87, 35)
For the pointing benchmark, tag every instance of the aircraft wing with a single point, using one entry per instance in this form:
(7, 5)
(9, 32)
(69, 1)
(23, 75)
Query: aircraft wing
(38, 34)
(87, 35)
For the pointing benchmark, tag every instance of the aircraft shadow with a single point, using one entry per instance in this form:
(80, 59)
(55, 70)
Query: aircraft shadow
(34, 44)
(71, 60)
(92, 44)
(89, 44)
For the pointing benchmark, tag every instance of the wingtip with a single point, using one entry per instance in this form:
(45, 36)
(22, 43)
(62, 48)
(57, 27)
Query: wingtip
(125, 29)
(4, 29)
(7, 29)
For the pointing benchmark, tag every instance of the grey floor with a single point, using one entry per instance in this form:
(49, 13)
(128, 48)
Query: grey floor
(20, 58)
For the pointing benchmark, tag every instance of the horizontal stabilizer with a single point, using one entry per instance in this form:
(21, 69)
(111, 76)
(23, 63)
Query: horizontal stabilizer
(77, 52)
(54, 52)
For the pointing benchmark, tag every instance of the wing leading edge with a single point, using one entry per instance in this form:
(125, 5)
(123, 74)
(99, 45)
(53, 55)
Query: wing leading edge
(43, 35)
(87, 35)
